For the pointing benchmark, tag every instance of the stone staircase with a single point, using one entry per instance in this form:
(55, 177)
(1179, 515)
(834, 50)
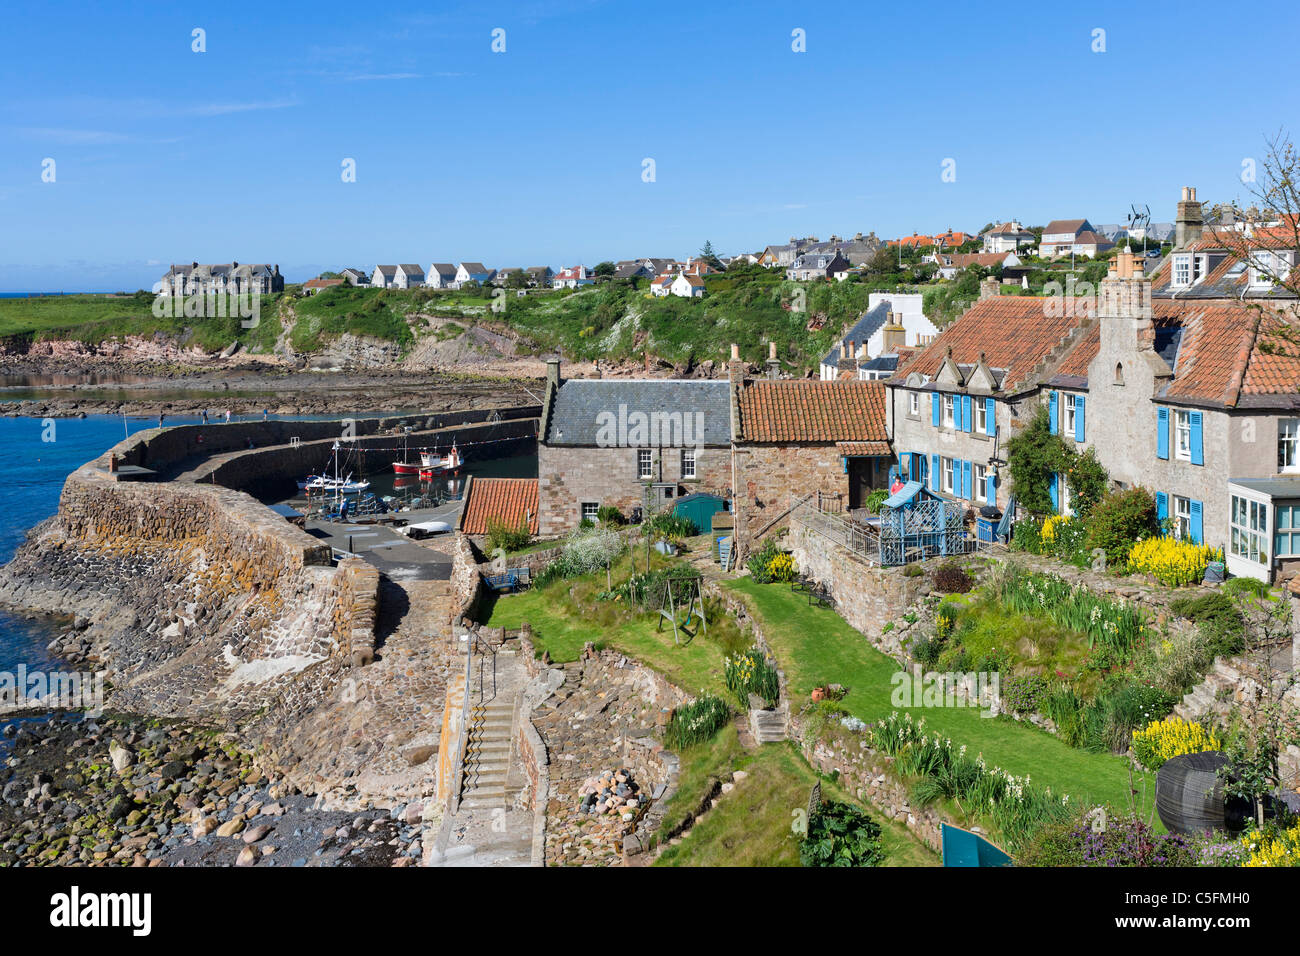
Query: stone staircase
(488, 748)
(1213, 696)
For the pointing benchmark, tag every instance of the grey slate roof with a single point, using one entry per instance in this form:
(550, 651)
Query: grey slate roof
(862, 330)
(576, 415)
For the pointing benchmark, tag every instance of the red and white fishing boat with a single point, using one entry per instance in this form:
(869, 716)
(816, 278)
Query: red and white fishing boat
(432, 464)
(405, 466)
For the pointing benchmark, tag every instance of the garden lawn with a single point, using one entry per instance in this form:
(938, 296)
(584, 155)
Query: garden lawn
(565, 614)
(752, 825)
(815, 646)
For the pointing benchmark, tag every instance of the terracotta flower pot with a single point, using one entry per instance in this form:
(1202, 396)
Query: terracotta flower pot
(819, 693)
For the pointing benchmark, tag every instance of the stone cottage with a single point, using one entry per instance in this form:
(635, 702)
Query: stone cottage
(629, 443)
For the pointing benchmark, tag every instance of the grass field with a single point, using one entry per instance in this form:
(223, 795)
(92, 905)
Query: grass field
(94, 318)
(815, 646)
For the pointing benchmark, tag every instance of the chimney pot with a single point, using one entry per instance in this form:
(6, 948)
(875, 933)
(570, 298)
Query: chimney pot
(735, 352)
(771, 350)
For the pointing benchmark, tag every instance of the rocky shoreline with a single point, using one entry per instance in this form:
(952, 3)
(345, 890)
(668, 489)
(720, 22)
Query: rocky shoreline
(119, 790)
(245, 390)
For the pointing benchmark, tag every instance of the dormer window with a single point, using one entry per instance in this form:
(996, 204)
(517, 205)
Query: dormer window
(1182, 274)
(1268, 267)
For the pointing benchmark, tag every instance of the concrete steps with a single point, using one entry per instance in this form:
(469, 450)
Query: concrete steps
(488, 750)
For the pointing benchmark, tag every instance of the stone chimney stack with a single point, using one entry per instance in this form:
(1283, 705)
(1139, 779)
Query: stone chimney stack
(988, 287)
(553, 373)
(893, 334)
(773, 363)
(1124, 308)
(1190, 221)
(735, 367)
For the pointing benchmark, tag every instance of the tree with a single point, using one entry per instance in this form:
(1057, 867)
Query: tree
(1267, 718)
(1275, 191)
(1033, 456)
(708, 255)
(517, 279)
(604, 269)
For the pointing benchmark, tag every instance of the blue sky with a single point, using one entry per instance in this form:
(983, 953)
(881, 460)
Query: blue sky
(534, 156)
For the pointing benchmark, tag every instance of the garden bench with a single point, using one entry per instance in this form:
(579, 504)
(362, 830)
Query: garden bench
(820, 595)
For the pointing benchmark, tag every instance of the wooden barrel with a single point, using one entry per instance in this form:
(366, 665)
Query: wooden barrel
(1190, 799)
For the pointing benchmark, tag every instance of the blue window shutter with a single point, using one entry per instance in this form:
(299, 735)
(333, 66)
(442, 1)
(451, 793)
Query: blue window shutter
(844, 460)
(934, 409)
(990, 417)
(1079, 432)
(1053, 410)
(1051, 489)
(967, 418)
(936, 474)
(1162, 506)
(1162, 433)
(991, 488)
(1197, 528)
(1198, 453)
(965, 480)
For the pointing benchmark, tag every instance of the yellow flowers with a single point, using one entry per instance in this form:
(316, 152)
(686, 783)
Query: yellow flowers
(1162, 739)
(781, 568)
(1282, 849)
(1050, 527)
(1173, 562)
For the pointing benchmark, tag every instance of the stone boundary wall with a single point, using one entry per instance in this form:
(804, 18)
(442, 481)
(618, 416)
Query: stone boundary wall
(466, 580)
(869, 776)
(867, 597)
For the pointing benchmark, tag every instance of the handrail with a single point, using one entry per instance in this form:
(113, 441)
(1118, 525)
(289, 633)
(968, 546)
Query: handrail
(462, 747)
(458, 767)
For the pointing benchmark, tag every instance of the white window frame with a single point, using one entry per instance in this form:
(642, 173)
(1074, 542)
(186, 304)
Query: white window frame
(1288, 444)
(947, 476)
(981, 416)
(914, 404)
(1071, 407)
(1066, 505)
(1180, 513)
(689, 463)
(980, 478)
(1181, 274)
(587, 511)
(1182, 429)
(645, 464)
(949, 411)
(1249, 535)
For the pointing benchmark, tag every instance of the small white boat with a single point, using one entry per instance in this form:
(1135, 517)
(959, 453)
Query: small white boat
(343, 485)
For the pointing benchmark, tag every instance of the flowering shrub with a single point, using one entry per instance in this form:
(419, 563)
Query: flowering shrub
(1126, 841)
(781, 568)
(1016, 806)
(1022, 694)
(696, 722)
(1171, 561)
(1073, 606)
(1050, 525)
(1162, 739)
(1275, 849)
(750, 673)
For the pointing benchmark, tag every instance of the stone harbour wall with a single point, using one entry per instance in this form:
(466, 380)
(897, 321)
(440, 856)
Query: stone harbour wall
(196, 600)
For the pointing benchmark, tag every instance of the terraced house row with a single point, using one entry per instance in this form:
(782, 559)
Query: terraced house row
(1185, 382)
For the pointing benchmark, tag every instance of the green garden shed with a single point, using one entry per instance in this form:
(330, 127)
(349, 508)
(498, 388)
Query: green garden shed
(700, 508)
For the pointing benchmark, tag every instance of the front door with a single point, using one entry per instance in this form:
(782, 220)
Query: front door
(861, 477)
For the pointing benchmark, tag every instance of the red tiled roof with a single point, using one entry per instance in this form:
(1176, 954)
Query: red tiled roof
(864, 449)
(1227, 349)
(808, 411)
(321, 283)
(1013, 332)
(506, 499)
